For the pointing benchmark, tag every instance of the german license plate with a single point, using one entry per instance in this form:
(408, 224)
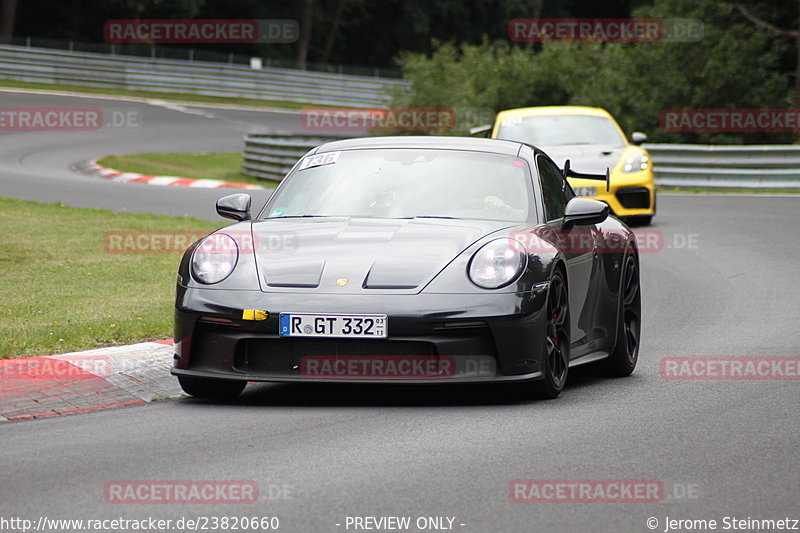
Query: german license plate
(585, 191)
(313, 325)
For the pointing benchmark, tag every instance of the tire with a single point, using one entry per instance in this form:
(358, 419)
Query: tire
(555, 360)
(623, 359)
(211, 388)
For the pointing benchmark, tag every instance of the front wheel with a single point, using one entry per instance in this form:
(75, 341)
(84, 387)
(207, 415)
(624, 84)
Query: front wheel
(555, 360)
(211, 388)
(623, 359)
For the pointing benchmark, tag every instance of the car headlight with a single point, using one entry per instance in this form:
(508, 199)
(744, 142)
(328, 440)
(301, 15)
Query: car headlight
(214, 259)
(636, 163)
(497, 263)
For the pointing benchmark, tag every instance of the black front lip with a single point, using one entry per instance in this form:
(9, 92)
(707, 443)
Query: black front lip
(304, 379)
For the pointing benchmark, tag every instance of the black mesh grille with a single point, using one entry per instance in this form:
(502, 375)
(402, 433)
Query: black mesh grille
(283, 355)
(634, 197)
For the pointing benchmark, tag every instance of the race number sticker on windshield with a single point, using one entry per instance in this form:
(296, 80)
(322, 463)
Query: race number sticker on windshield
(328, 158)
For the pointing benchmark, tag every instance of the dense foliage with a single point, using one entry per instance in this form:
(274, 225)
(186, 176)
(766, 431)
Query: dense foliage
(735, 65)
(458, 54)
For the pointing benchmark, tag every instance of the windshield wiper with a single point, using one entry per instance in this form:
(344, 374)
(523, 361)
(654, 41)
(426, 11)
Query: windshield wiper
(432, 216)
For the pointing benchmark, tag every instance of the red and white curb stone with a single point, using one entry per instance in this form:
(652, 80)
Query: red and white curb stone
(75, 382)
(93, 169)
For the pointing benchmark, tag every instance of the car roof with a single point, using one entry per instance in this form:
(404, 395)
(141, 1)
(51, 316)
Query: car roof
(553, 110)
(496, 146)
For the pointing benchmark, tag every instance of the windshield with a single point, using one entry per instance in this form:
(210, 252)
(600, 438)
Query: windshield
(559, 130)
(404, 183)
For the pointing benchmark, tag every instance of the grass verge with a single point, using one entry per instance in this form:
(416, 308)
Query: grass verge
(173, 97)
(225, 166)
(62, 291)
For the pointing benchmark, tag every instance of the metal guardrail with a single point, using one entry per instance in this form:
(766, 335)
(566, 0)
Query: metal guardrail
(272, 155)
(749, 166)
(200, 53)
(209, 79)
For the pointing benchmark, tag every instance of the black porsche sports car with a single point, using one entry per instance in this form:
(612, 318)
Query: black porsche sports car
(412, 260)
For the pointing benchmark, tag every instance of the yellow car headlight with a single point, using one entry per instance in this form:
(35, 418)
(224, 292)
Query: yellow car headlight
(636, 163)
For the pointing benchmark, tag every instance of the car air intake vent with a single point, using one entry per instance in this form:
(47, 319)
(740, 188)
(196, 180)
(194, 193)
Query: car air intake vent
(634, 197)
(285, 355)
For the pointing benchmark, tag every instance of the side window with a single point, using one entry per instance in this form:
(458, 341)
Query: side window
(554, 188)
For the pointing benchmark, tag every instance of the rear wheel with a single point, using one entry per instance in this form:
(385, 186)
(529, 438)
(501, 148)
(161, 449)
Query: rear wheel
(623, 359)
(555, 362)
(211, 388)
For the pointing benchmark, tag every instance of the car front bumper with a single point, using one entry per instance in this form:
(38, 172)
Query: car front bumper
(462, 338)
(629, 195)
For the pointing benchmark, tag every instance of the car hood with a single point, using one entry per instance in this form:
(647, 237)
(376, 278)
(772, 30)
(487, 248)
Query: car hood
(356, 255)
(585, 158)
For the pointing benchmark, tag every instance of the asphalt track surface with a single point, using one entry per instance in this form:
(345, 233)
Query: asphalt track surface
(724, 284)
(37, 165)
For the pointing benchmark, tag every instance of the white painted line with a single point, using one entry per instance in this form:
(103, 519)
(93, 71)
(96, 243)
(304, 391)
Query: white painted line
(207, 184)
(163, 180)
(143, 100)
(127, 176)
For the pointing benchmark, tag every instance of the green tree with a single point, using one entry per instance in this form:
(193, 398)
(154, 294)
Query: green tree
(8, 10)
(734, 65)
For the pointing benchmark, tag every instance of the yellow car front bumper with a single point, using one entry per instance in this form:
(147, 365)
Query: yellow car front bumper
(629, 194)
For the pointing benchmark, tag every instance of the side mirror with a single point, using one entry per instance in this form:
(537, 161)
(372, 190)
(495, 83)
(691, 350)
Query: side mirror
(235, 206)
(584, 211)
(637, 137)
(481, 131)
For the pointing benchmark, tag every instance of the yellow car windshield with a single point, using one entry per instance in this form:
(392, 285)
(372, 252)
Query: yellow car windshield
(561, 130)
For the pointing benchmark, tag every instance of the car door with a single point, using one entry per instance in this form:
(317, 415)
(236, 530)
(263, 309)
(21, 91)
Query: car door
(579, 245)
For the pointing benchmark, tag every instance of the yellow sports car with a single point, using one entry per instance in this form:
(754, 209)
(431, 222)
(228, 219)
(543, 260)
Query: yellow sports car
(592, 141)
